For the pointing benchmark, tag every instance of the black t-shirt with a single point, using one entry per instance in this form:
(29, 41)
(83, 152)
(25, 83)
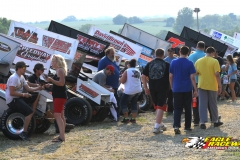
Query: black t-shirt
(158, 72)
(33, 79)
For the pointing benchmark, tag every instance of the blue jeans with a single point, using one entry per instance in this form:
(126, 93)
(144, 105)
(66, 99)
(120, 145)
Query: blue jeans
(182, 100)
(126, 98)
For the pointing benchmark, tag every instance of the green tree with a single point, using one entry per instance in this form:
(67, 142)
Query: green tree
(162, 34)
(170, 22)
(134, 20)
(120, 19)
(69, 19)
(85, 28)
(184, 18)
(209, 21)
(4, 25)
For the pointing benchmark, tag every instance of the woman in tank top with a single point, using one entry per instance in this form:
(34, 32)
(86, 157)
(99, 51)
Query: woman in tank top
(132, 89)
(59, 93)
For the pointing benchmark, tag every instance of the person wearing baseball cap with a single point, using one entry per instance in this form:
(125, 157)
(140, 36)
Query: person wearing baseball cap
(101, 76)
(113, 79)
(17, 100)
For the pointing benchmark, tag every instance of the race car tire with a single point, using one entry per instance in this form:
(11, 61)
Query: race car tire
(77, 111)
(12, 124)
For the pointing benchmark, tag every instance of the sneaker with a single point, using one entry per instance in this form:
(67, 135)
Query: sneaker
(69, 126)
(133, 121)
(163, 127)
(157, 130)
(203, 126)
(187, 129)
(125, 120)
(24, 136)
(177, 131)
(217, 124)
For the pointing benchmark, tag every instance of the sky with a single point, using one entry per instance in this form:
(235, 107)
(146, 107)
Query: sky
(46, 10)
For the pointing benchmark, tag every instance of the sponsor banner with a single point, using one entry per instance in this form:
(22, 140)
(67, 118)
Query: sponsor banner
(8, 51)
(89, 44)
(143, 60)
(145, 50)
(64, 46)
(227, 39)
(32, 54)
(230, 50)
(87, 90)
(123, 47)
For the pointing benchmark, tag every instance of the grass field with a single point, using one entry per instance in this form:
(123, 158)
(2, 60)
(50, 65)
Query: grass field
(151, 26)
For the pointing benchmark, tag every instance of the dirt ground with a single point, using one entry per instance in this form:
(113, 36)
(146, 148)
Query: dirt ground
(111, 140)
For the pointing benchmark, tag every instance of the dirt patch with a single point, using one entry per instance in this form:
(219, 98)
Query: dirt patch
(111, 140)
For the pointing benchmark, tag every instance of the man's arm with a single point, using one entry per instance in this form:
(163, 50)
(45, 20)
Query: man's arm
(144, 82)
(123, 79)
(217, 75)
(32, 84)
(13, 92)
(195, 93)
(170, 79)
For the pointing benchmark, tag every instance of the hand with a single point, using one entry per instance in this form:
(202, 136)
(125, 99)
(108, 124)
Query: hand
(49, 79)
(47, 85)
(219, 90)
(27, 95)
(41, 88)
(147, 91)
(195, 94)
(112, 90)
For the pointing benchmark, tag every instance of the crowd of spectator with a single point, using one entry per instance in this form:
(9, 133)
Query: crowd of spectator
(173, 81)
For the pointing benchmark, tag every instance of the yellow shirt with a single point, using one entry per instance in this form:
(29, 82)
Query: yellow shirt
(206, 68)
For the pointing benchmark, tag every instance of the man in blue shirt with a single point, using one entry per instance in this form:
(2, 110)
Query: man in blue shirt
(113, 79)
(169, 59)
(199, 53)
(182, 81)
(170, 56)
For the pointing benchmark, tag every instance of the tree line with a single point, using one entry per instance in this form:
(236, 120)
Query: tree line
(227, 24)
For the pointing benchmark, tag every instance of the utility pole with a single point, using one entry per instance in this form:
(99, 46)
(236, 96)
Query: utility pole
(197, 10)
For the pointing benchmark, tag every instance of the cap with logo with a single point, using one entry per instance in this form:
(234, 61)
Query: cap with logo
(21, 64)
(111, 68)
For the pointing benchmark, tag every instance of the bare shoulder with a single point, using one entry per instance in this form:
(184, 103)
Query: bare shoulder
(61, 71)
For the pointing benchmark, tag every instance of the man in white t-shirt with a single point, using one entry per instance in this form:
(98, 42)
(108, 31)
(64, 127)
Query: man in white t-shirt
(16, 99)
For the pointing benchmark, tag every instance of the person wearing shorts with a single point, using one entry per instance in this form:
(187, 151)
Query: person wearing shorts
(132, 89)
(59, 93)
(232, 74)
(158, 72)
(19, 101)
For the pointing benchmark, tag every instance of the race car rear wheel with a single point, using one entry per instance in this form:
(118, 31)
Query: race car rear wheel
(77, 111)
(12, 124)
